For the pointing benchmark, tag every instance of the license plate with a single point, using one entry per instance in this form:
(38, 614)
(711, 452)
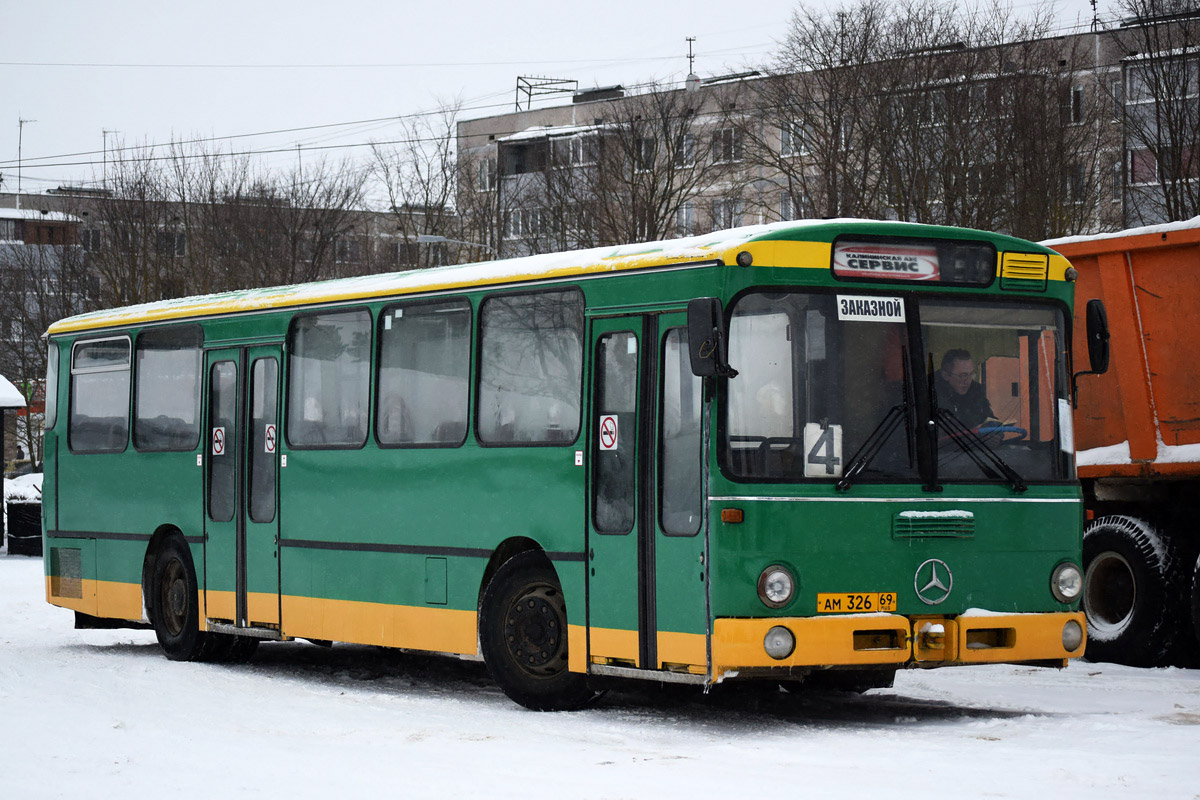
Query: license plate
(855, 602)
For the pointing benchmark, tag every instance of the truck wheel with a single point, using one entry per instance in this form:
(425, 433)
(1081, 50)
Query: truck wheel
(1195, 605)
(173, 606)
(1125, 592)
(523, 635)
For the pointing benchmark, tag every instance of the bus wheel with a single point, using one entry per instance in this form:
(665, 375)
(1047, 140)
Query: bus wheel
(1125, 592)
(173, 608)
(523, 635)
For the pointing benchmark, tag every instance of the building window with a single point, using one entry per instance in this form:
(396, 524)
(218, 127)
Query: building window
(685, 219)
(523, 223)
(646, 149)
(685, 155)
(1116, 182)
(485, 180)
(726, 213)
(727, 145)
(1143, 167)
(794, 139)
(530, 368)
(1076, 178)
(347, 250)
(574, 151)
(792, 206)
(171, 243)
(1077, 104)
(91, 239)
(8, 230)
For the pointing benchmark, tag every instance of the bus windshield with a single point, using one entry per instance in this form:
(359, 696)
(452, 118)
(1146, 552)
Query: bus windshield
(826, 384)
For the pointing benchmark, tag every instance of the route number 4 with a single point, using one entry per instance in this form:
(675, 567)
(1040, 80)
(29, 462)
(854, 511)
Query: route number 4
(822, 451)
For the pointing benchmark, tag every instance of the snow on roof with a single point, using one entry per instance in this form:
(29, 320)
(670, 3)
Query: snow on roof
(1166, 227)
(543, 131)
(716, 246)
(9, 396)
(35, 214)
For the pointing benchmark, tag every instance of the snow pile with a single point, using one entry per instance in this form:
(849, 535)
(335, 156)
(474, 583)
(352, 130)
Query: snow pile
(10, 396)
(1112, 454)
(1166, 227)
(25, 488)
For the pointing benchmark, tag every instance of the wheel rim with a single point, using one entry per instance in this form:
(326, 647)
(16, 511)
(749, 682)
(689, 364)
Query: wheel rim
(173, 600)
(1110, 593)
(534, 628)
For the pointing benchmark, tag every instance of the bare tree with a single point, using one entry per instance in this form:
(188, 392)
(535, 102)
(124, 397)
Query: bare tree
(39, 284)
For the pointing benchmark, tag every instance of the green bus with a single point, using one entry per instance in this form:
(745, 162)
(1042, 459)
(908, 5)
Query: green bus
(752, 454)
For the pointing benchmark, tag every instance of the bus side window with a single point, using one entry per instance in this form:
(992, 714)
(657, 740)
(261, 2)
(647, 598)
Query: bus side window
(530, 368)
(328, 379)
(424, 362)
(99, 415)
(681, 503)
(167, 398)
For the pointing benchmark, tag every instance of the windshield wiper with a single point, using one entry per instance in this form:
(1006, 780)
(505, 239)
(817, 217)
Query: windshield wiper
(883, 431)
(874, 443)
(977, 449)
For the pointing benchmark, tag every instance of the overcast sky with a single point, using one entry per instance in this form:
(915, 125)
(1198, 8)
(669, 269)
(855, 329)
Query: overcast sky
(150, 71)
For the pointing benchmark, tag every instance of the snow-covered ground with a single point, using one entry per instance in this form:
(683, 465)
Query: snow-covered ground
(102, 714)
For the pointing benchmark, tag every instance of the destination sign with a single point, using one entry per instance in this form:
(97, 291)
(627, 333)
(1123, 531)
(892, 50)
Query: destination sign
(888, 261)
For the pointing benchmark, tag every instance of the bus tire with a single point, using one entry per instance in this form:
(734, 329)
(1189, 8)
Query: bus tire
(523, 636)
(1125, 593)
(174, 610)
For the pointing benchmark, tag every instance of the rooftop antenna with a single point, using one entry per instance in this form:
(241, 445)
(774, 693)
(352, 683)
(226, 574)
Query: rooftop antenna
(1095, 17)
(21, 123)
(693, 80)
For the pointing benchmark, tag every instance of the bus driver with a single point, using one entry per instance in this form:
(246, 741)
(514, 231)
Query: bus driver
(959, 393)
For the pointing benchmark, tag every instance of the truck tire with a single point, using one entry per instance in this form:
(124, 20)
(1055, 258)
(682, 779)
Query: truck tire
(1195, 604)
(1126, 592)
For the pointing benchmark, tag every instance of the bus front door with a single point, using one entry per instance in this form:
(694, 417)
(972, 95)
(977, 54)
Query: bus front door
(647, 577)
(241, 572)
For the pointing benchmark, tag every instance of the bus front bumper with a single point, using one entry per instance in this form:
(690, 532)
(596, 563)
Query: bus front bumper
(862, 640)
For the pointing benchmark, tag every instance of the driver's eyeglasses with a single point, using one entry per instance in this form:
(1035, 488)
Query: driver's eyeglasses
(961, 375)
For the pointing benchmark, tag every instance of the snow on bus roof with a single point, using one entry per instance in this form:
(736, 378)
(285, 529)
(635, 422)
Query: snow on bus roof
(1165, 227)
(705, 247)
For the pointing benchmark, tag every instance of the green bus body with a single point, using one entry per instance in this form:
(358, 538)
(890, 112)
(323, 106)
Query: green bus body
(397, 545)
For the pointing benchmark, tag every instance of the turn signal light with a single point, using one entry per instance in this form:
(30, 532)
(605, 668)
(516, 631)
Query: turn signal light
(732, 516)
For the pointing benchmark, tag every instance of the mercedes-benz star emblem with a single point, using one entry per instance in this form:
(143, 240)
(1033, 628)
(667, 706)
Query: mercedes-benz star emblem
(933, 581)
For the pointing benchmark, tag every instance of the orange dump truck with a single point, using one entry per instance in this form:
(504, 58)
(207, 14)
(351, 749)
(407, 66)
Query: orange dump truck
(1137, 433)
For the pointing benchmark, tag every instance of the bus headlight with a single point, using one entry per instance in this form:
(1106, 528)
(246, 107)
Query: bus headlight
(776, 586)
(1066, 582)
(779, 642)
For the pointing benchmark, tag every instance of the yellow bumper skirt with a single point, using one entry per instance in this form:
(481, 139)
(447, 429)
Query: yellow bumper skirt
(874, 640)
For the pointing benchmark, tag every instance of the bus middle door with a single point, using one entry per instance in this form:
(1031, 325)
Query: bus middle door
(647, 588)
(241, 487)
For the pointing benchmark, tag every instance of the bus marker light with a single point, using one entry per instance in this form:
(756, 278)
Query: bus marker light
(779, 642)
(732, 516)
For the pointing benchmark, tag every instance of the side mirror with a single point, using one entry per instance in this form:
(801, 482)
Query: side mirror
(1097, 340)
(706, 338)
(1097, 336)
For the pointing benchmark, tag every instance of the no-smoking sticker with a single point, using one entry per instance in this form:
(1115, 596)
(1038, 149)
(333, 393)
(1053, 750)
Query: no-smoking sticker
(218, 441)
(269, 439)
(608, 432)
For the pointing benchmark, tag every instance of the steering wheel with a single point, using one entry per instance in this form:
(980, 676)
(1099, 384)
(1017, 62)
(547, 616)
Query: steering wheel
(988, 430)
